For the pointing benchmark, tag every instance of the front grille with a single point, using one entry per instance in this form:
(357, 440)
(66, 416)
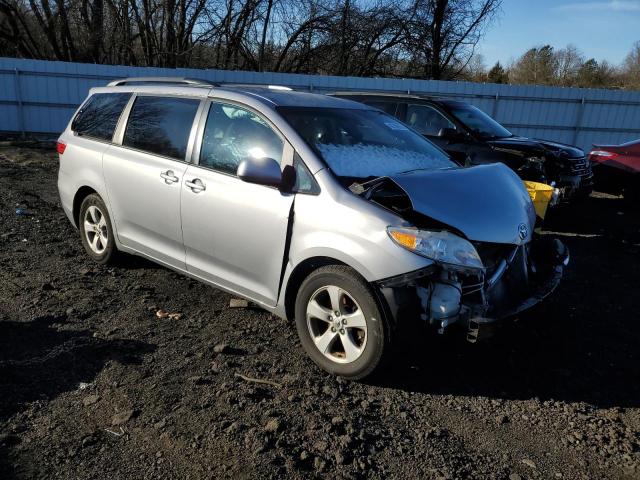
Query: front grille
(492, 254)
(513, 286)
(578, 166)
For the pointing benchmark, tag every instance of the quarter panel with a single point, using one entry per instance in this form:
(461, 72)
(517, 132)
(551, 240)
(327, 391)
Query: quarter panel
(80, 166)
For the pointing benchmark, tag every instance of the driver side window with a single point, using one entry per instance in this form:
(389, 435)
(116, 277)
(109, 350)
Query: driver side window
(427, 120)
(232, 134)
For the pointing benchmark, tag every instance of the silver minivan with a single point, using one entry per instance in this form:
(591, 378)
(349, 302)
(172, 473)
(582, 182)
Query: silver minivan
(321, 210)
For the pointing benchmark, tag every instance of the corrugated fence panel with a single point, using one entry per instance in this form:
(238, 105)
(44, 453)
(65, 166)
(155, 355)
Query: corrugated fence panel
(40, 96)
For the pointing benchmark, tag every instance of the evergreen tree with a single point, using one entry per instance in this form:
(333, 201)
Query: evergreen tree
(497, 74)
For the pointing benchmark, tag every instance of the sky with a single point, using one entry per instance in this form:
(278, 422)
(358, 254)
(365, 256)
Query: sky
(602, 29)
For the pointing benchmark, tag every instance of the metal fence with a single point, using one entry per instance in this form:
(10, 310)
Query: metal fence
(38, 96)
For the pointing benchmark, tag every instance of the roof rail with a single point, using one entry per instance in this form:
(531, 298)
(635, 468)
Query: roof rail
(258, 85)
(151, 80)
(280, 87)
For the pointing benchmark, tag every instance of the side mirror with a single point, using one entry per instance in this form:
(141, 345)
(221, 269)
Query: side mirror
(261, 171)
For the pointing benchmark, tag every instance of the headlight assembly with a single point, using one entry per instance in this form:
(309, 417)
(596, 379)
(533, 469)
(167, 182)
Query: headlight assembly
(442, 247)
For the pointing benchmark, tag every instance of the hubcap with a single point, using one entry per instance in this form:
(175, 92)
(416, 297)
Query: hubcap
(336, 324)
(95, 229)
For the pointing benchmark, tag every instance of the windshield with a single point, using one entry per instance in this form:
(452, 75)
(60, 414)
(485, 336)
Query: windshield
(364, 143)
(479, 122)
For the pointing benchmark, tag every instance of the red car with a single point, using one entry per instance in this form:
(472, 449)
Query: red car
(616, 169)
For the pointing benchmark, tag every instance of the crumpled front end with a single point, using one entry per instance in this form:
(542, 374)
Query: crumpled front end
(489, 208)
(564, 167)
(515, 278)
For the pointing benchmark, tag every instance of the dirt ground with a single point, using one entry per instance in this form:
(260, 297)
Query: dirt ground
(94, 385)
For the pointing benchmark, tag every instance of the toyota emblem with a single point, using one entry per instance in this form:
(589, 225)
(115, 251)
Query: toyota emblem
(523, 231)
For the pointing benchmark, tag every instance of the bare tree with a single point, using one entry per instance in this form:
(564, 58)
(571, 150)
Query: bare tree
(593, 74)
(476, 69)
(444, 33)
(537, 65)
(408, 38)
(631, 67)
(18, 33)
(567, 62)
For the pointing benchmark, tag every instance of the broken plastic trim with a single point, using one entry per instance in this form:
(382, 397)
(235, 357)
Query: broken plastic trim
(410, 295)
(481, 328)
(500, 269)
(407, 278)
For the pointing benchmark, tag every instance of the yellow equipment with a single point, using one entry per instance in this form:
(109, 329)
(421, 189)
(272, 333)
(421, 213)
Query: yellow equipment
(542, 195)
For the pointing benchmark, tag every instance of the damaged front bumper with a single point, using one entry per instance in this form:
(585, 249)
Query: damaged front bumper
(516, 279)
(574, 186)
(479, 328)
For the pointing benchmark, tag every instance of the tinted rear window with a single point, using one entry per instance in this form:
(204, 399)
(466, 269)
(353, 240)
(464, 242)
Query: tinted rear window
(99, 115)
(161, 125)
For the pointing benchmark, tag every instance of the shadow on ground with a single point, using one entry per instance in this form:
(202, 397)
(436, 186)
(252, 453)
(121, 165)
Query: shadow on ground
(582, 345)
(39, 362)
(570, 362)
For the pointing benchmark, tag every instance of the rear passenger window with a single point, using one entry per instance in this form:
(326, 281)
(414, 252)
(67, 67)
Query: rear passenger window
(161, 125)
(233, 134)
(99, 116)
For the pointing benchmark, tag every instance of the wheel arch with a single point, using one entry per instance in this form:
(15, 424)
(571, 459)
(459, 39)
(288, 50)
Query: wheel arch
(297, 276)
(304, 269)
(82, 193)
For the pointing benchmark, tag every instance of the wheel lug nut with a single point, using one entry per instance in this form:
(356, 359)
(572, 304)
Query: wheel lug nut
(337, 314)
(344, 321)
(342, 331)
(333, 329)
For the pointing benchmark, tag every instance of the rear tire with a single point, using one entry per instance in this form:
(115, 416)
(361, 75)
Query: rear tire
(339, 322)
(96, 231)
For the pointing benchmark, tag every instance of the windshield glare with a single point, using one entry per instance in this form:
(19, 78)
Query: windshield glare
(364, 143)
(479, 122)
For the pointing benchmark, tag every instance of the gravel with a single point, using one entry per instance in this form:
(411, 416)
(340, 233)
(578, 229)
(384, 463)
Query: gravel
(93, 384)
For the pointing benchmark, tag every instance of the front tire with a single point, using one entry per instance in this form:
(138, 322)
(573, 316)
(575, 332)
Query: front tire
(339, 322)
(96, 231)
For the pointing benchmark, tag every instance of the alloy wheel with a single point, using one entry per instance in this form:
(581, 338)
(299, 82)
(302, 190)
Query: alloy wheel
(95, 229)
(337, 324)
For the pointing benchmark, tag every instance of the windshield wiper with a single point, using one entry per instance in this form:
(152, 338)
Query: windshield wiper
(362, 188)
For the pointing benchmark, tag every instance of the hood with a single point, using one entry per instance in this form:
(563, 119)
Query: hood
(487, 203)
(528, 146)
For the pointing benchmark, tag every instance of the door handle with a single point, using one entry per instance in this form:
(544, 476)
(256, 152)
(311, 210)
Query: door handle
(169, 177)
(196, 185)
